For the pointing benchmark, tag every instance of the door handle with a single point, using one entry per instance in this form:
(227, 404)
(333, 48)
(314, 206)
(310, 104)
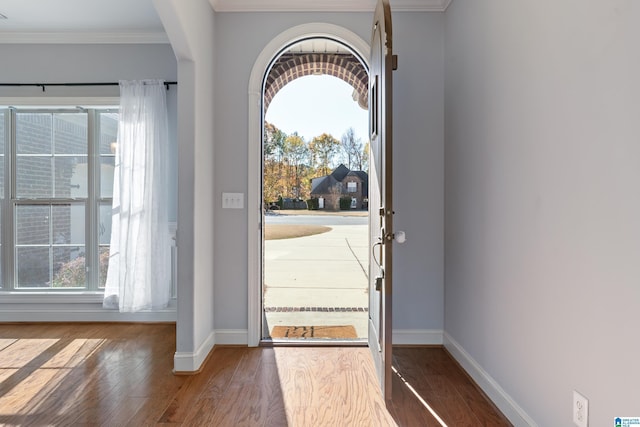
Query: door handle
(373, 252)
(400, 237)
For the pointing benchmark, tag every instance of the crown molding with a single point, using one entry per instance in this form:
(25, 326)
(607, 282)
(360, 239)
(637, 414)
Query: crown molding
(82, 38)
(9, 37)
(326, 5)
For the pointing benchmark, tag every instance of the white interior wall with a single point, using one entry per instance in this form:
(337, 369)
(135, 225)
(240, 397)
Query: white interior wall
(542, 206)
(418, 139)
(190, 28)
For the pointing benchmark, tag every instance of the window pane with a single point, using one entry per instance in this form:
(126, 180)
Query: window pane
(68, 224)
(33, 133)
(70, 130)
(71, 177)
(1, 250)
(104, 229)
(32, 225)
(106, 176)
(51, 155)
(3, 116)
(2, 130)
(69, 267)
(108, 132)
(2, 145)
(56, 252)
(33, 266)
(108, 144)
(33, 177)
(104, 265)
(1, 173)
(69, 262)
(104, 234)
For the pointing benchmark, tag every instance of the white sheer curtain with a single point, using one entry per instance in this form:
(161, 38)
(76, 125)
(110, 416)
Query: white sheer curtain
(139, 273)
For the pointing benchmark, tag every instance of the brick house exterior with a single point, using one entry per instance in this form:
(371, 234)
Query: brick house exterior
(342, 182)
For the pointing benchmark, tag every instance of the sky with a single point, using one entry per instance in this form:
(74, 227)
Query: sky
(313, 105)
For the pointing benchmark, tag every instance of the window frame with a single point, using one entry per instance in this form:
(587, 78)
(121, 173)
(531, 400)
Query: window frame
(91, 292)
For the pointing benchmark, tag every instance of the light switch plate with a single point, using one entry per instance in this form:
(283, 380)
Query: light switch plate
(232, 200)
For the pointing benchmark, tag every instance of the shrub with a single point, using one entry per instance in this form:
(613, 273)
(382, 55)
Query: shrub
(345, 203)
(72, 274)
(313, 204)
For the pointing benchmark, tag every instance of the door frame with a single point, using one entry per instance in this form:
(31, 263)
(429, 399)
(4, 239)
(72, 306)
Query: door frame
(254, 153)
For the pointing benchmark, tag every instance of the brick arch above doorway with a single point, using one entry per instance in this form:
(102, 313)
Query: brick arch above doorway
(291, 66)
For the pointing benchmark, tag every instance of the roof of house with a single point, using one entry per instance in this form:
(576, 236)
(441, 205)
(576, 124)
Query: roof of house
(323, 184)
(340, 172)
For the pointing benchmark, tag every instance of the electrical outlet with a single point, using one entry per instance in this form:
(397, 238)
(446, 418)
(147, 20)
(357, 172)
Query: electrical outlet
(580, 409)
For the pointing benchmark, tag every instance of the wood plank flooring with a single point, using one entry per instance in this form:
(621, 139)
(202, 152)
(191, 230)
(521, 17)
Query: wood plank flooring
(121, 375)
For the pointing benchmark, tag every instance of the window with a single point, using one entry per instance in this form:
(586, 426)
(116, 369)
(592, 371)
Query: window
(56, 200)
(3, 136)
(352, 187)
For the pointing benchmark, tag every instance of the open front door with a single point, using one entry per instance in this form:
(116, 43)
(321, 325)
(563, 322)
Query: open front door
(380, 194)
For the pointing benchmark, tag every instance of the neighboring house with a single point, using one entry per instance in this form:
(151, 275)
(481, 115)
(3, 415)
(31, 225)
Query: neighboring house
(342, 182)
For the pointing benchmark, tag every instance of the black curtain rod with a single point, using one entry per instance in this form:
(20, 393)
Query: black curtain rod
(44, 85)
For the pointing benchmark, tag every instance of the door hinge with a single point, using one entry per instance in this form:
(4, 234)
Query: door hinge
(394, 62)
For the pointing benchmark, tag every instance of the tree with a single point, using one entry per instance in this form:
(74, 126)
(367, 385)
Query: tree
(364, 158)
(323, 149)
(273, 141)
(297, 157)
(274, 152)
(352, 149)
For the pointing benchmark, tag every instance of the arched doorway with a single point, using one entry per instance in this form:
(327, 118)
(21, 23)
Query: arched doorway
(304, 62)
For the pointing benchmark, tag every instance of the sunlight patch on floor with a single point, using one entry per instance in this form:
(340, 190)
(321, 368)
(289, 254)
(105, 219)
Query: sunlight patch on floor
(417, 395)
(30, 375)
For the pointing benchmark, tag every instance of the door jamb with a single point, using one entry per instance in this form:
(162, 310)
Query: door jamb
(254, 153)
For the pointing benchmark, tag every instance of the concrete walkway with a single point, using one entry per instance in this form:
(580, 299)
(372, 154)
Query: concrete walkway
(318, 280)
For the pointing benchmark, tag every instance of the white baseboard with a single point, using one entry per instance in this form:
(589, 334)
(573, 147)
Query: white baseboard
(400, 337)
(191, 362)
(87, 312)
(417, 337)
(231, 337)
(184, 362)
(498, 396)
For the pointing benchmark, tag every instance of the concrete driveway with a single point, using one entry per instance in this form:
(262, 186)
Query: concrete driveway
(319, 279)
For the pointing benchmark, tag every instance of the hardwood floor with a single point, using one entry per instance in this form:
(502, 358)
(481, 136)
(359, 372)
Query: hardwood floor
(121, 375)
(441, 387)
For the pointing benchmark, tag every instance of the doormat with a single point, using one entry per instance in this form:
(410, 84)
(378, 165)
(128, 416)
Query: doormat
(319, 309)
(314, 332)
